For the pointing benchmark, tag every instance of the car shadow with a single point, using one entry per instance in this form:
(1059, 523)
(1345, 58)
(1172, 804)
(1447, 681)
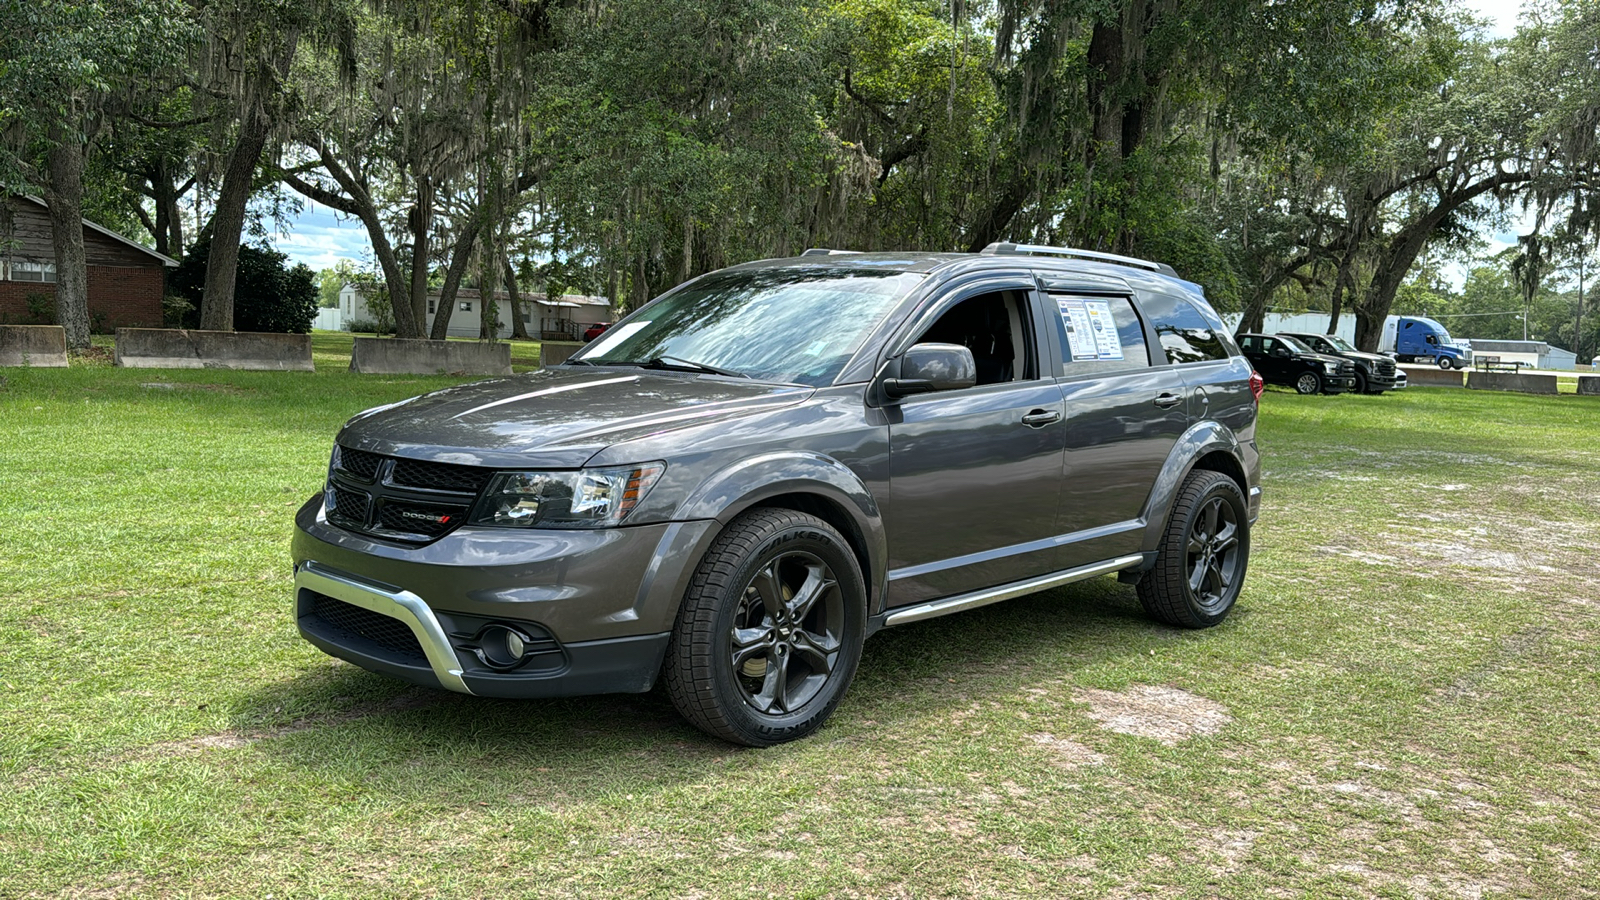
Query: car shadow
(419, 741)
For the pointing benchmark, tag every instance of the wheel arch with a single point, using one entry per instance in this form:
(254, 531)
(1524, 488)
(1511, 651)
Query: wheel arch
(1207, 446)
(808, 483)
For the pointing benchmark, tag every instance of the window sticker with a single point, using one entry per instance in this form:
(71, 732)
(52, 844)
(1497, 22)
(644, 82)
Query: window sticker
(1080, 336)
(1104, 328)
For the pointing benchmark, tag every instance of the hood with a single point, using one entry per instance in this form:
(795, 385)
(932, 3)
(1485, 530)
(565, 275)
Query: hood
(556, 417)
(1373, 358)
(1324, 358)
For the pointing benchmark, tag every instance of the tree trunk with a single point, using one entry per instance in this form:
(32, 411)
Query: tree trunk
(238, 183)
(227, 225)
(420, 223)
(519, 327)
(452, 277)
(64, 196)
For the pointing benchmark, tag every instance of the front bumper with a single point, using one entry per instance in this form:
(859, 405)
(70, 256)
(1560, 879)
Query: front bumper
(595, 607)
(1338, 384)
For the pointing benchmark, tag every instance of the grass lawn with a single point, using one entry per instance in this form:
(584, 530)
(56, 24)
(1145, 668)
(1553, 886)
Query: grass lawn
(1405, 703)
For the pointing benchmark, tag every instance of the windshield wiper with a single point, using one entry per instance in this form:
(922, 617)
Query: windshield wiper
(689, 365)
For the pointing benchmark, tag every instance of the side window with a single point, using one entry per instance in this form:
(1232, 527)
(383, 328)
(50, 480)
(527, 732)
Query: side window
(1251, 344)
(1185, 335)
(1098, 334)
(994, 326)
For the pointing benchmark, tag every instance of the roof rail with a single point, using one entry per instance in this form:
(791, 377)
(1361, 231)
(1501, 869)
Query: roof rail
(824, 251)
(1000, 248)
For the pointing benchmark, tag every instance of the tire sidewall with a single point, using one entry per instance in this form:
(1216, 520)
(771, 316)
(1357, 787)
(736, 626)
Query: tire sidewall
(762, 728)
(1301, 380)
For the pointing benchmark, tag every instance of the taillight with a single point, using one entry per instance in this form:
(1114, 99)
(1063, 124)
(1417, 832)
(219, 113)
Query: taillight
(1258, 386)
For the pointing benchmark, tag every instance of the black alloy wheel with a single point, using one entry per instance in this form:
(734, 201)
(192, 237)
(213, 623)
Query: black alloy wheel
(786, 634)
(1203, 555)
(770, 630)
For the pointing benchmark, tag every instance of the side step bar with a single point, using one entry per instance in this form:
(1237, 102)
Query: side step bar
(935, 608)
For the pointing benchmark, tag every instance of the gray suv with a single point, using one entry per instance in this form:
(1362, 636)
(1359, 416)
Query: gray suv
(738, 483)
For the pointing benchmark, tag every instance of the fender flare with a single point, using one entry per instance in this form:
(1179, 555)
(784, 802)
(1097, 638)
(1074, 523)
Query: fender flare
(1201, 439)
(749, 482)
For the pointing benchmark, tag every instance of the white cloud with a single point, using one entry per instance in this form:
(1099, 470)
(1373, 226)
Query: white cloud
(320, 238)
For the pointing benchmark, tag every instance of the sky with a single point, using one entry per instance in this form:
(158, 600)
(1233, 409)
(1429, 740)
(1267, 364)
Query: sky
(320, 237)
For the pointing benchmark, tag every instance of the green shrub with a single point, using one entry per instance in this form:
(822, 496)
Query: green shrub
(268, 294)
(41, 308)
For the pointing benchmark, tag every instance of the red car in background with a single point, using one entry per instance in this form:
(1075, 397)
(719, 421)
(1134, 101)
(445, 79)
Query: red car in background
(595, 330)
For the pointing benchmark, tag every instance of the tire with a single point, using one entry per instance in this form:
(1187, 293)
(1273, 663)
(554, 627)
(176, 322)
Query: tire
(1361, 382)
(1308, 383)
(1201, 563)
(742, 664)
(1445, 363)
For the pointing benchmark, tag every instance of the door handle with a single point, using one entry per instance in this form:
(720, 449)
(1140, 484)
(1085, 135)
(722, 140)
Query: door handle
(1040, 418)
(1168, 401)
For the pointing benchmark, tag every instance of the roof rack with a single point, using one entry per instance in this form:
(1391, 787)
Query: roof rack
(1000, 248)
(824, 251)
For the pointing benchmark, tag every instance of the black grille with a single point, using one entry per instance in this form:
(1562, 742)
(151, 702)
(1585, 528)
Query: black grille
(414, 518)
(1386, 369)
(390, 634)
(347, 506)
(359, 463)
(440, 476)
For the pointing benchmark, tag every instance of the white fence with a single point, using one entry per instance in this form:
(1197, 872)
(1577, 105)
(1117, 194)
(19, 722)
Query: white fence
(329, 320)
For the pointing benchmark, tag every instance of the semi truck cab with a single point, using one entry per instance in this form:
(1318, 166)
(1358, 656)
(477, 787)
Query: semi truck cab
(1418, 338)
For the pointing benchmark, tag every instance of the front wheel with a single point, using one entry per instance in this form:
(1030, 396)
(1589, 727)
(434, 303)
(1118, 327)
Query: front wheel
(1201, 563)
(1446, 363)
(770, 631)
(1308, 383)
(1361, 382)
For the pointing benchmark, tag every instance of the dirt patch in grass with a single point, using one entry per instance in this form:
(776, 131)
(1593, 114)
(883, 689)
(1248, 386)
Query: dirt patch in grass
(1068, 754)
(1165, 714)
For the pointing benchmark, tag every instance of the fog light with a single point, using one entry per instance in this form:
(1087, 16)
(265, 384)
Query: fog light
(502, 647)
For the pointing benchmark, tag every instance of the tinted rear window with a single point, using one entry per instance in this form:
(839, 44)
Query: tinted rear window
(1186, 336)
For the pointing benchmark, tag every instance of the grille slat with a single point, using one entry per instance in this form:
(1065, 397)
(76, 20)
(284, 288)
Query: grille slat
(388, 633)
(440, 476)
(359, 463)
(348, 507)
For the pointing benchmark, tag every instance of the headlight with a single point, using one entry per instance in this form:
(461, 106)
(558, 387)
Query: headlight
(587, 498)
(1331, 368)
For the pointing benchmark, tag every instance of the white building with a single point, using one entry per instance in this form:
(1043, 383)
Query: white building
(564, 318)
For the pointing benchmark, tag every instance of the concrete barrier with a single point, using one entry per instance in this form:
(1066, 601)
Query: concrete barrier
(393, 356)
(36, 346)
(1589, 384)
(1511, 381)
(554, 353)
(1428, 376)
(176, 348)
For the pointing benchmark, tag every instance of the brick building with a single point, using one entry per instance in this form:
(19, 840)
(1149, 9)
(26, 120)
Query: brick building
(126, 281)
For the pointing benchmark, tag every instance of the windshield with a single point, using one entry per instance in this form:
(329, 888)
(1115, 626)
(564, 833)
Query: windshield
(1338, 343)
(797, 325)
(1295, 344)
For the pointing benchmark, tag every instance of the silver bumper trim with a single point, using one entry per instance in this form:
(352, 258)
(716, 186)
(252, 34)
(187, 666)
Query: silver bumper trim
(403, 606)
(962, 602)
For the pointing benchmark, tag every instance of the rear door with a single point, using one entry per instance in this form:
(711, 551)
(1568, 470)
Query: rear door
(1126, 406)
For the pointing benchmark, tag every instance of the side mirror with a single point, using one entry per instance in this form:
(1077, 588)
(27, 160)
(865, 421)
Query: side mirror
(1280, 351)
(932, 367)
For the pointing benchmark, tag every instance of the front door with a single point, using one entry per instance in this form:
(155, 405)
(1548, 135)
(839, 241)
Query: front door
(975, 474)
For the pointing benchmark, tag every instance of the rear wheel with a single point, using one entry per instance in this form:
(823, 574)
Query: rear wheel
(770, 631)
(1308, 383)
(1201, 563)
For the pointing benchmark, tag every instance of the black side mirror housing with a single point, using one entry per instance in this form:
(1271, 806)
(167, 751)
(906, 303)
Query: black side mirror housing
(932, 367)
